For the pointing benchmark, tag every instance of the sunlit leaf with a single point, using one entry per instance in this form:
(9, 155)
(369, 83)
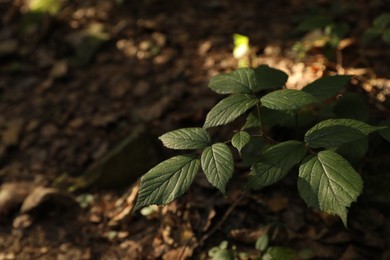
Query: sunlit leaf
(241, 46)
(186, 138)
(218, 165)
(241, 80)
(329, 183)
(167, 181)
(240, 139)
(275, 163)
(287, 99)
(327, 87)
(229, 109)
(270, 78)
(336, 132)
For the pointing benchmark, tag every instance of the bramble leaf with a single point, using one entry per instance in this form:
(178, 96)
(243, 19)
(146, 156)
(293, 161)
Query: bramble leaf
(167, 181)
(385, 132)
(335, 132)
(229, 109)
(275, 163)
(218, 165)
(241, 80)
(352, 106)
(186, 138)
(287, 99)
(353, 151)
(252, 120)
(329, 183)
(240, 139)
(269, 78)
(327, 87)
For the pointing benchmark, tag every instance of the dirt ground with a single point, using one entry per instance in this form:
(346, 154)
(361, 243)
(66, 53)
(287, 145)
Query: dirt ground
(66, 99)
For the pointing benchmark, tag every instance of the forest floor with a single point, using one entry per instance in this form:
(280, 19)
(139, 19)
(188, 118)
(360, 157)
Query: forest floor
(66, 98)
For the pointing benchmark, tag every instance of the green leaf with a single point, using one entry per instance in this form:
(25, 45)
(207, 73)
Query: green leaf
(269, 78)
(382, 21)
(279, 253)
(352, 106)
(252, 120)
(228, 109)
(312, 22)
(386, 35)
(329, 183)
(272, 117)
(167, 181)
(186, 138)
(262, 242)
(240, 139)
(275, 163)
(253, 150)
(355, 150)
(370, 34)
(218, 165)
(336, 132)
(385, 132)
(241, 80)
(327, 87)
(287, 99)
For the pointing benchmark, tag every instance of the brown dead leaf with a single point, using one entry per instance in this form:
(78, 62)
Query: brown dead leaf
(178, 253)
(248, 236)
(8, 47)
(340, 238)
(22, 221)
(125, 210)
(277, 204)
(59, 69)
(351, 253)
(11, 134)
(103, 120)
(12, 195)
(41, 195)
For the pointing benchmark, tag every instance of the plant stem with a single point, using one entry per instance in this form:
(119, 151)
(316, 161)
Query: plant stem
(260, 119)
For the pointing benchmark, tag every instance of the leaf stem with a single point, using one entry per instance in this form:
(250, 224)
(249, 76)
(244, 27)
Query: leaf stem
(260, 119)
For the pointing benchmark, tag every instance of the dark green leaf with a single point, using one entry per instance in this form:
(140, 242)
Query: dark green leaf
(382, 21)
(287, 99)
(279, 253)
(385, 132)
(269, 78)
(329, 183)
(336, 132)
(218, 165)
(167, 181)
(241, 80)
(355, 150)
(370, 34)
(327, 87)
(186, 138)
(272, 117)
(352, 106)
(229, 109)
(313, 22)
(275, 163)
(253, 150)
(240, 139)
(386, 36)
(252, 120)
